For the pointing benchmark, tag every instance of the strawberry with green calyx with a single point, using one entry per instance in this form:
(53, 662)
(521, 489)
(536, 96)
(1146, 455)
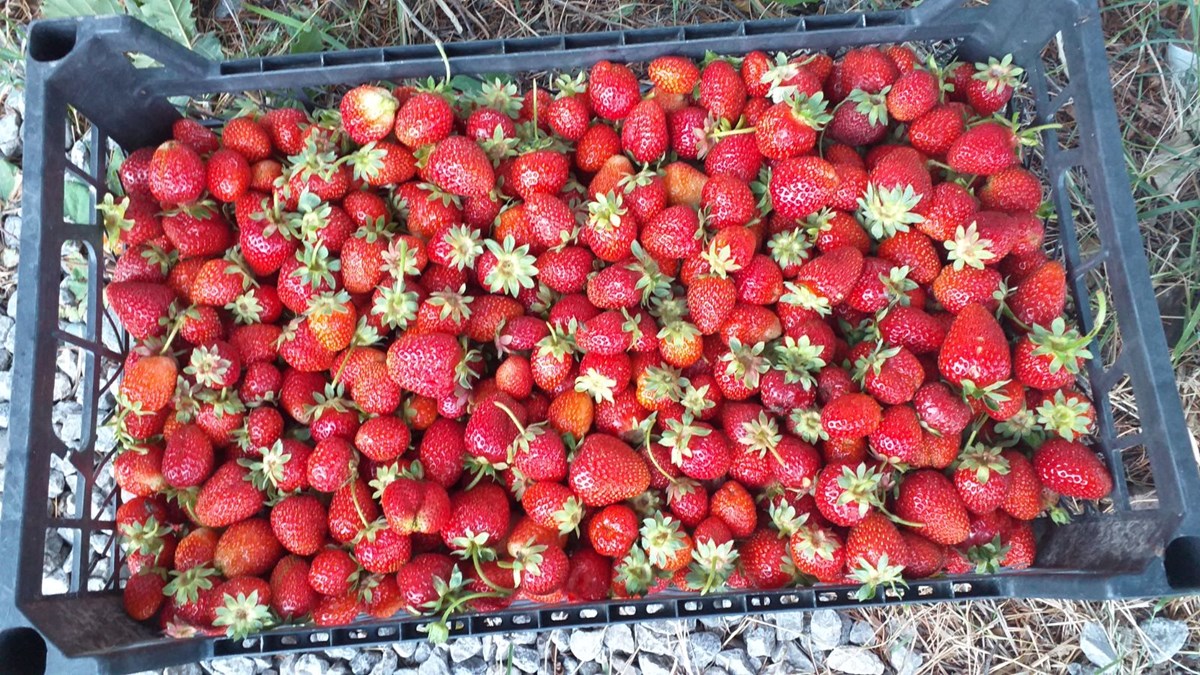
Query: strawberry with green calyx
(847, 492)
(712, 565)
(1051, 358)
(662, 540)
(981, 477)
(1067, 414)
(191, 590)
(452, 595)
(506, 268)
(636, 576)
(395, 306)
(806, 424)
(991, 146)
(886, 211)
(861, 118)
(875, 555)
(789, 128)
(991, 87)
(242, 615)
(740, 369)
(790, 249)
(975, 349)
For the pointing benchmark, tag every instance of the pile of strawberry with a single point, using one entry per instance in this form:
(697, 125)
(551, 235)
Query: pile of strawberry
(774, 321)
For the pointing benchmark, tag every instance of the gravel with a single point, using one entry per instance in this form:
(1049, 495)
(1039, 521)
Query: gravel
(1163, 638)
(1096, 644)
(855, 661)
(826, 627)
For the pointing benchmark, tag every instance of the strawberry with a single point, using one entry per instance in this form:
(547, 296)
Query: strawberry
(819, 552)
(674, 233)
(188, 457)
(426, 364)
(330, 573)
(734, 505)
(992, 86)
(928, 499)
(1072, 469)
(478, 517)
(851, 416)
(336, 610)
(248, 137)
(177, 174)
(424, 118)
(975, 349)
(459, 166)
(613, 530)
(913, 94)
(227, 497)
(141, 307)
(1041, 296)
(292, 596)
(613, 90)
(941, 410)
(380, 549)
(875, 554)
(198, 232)
(138, 470)
(227, 176)
(925, 558)
(368, 113)
(789, 129)
(846, 492)
(644, 134)
(607, 471)
(149, 384)
(351, 511)
(417, 579)
(674, 74)
(143, 594)
(981, 478)
(862, 119)
(984, 149)
(553, 506)
(801, 186)
(722, 91)
(247, 548)
(285, 127)
(134, 173)
(300, 524)
(763, 559)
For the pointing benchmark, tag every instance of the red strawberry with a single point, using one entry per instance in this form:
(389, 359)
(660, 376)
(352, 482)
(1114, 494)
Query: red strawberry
(248, 137)
(188, 458)
(612, 90)
(983, 150)
(992, 86)
(459, 166)
(292, 597)
(644, 134)
(424, 118)
(228, 175)
(149, 384)
(416, 579)
(846, 492)
(912, 95)
(1072, 469)
(851, 415)
(247, 548)
(673, 234)
(481, 511)
(331, 571)
(613, 530)
(143, 594)
(426, 364)
(928, 499)
(925, 558)
(227, 497)
(140, 307)
(177, 174)
(1041, 296)
(982, 478)
(789, 129)
(722, 91)
(606, 471)
(935, 131)
(801, 186)
(975, 349)
(300, 524)
(875, 554)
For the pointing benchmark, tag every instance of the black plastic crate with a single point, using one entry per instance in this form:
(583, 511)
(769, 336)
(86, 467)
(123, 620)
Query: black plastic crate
(1143, 541)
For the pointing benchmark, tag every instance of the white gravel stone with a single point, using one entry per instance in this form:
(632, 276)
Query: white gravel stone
(789, 624)
(472, 666)
(69, 417)
(10, 135)
(56, 583)
(62, 386)
(464, 648)
(826, 627)
(586, 645)
(386, 664)
(364, 661)
(738, 662)
(1163, 638)
(619, 638)
(238, 665)
(760, 640)
(1096, 644)
(795, 658)
(6, 385)
(525, 659)
(905, 659)
(702, 648)
(652, 641)
(341, 653)
(311, 664)
(405, 650)
(861, 633)
(653, 664)
(855, 661)
(434, 666)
